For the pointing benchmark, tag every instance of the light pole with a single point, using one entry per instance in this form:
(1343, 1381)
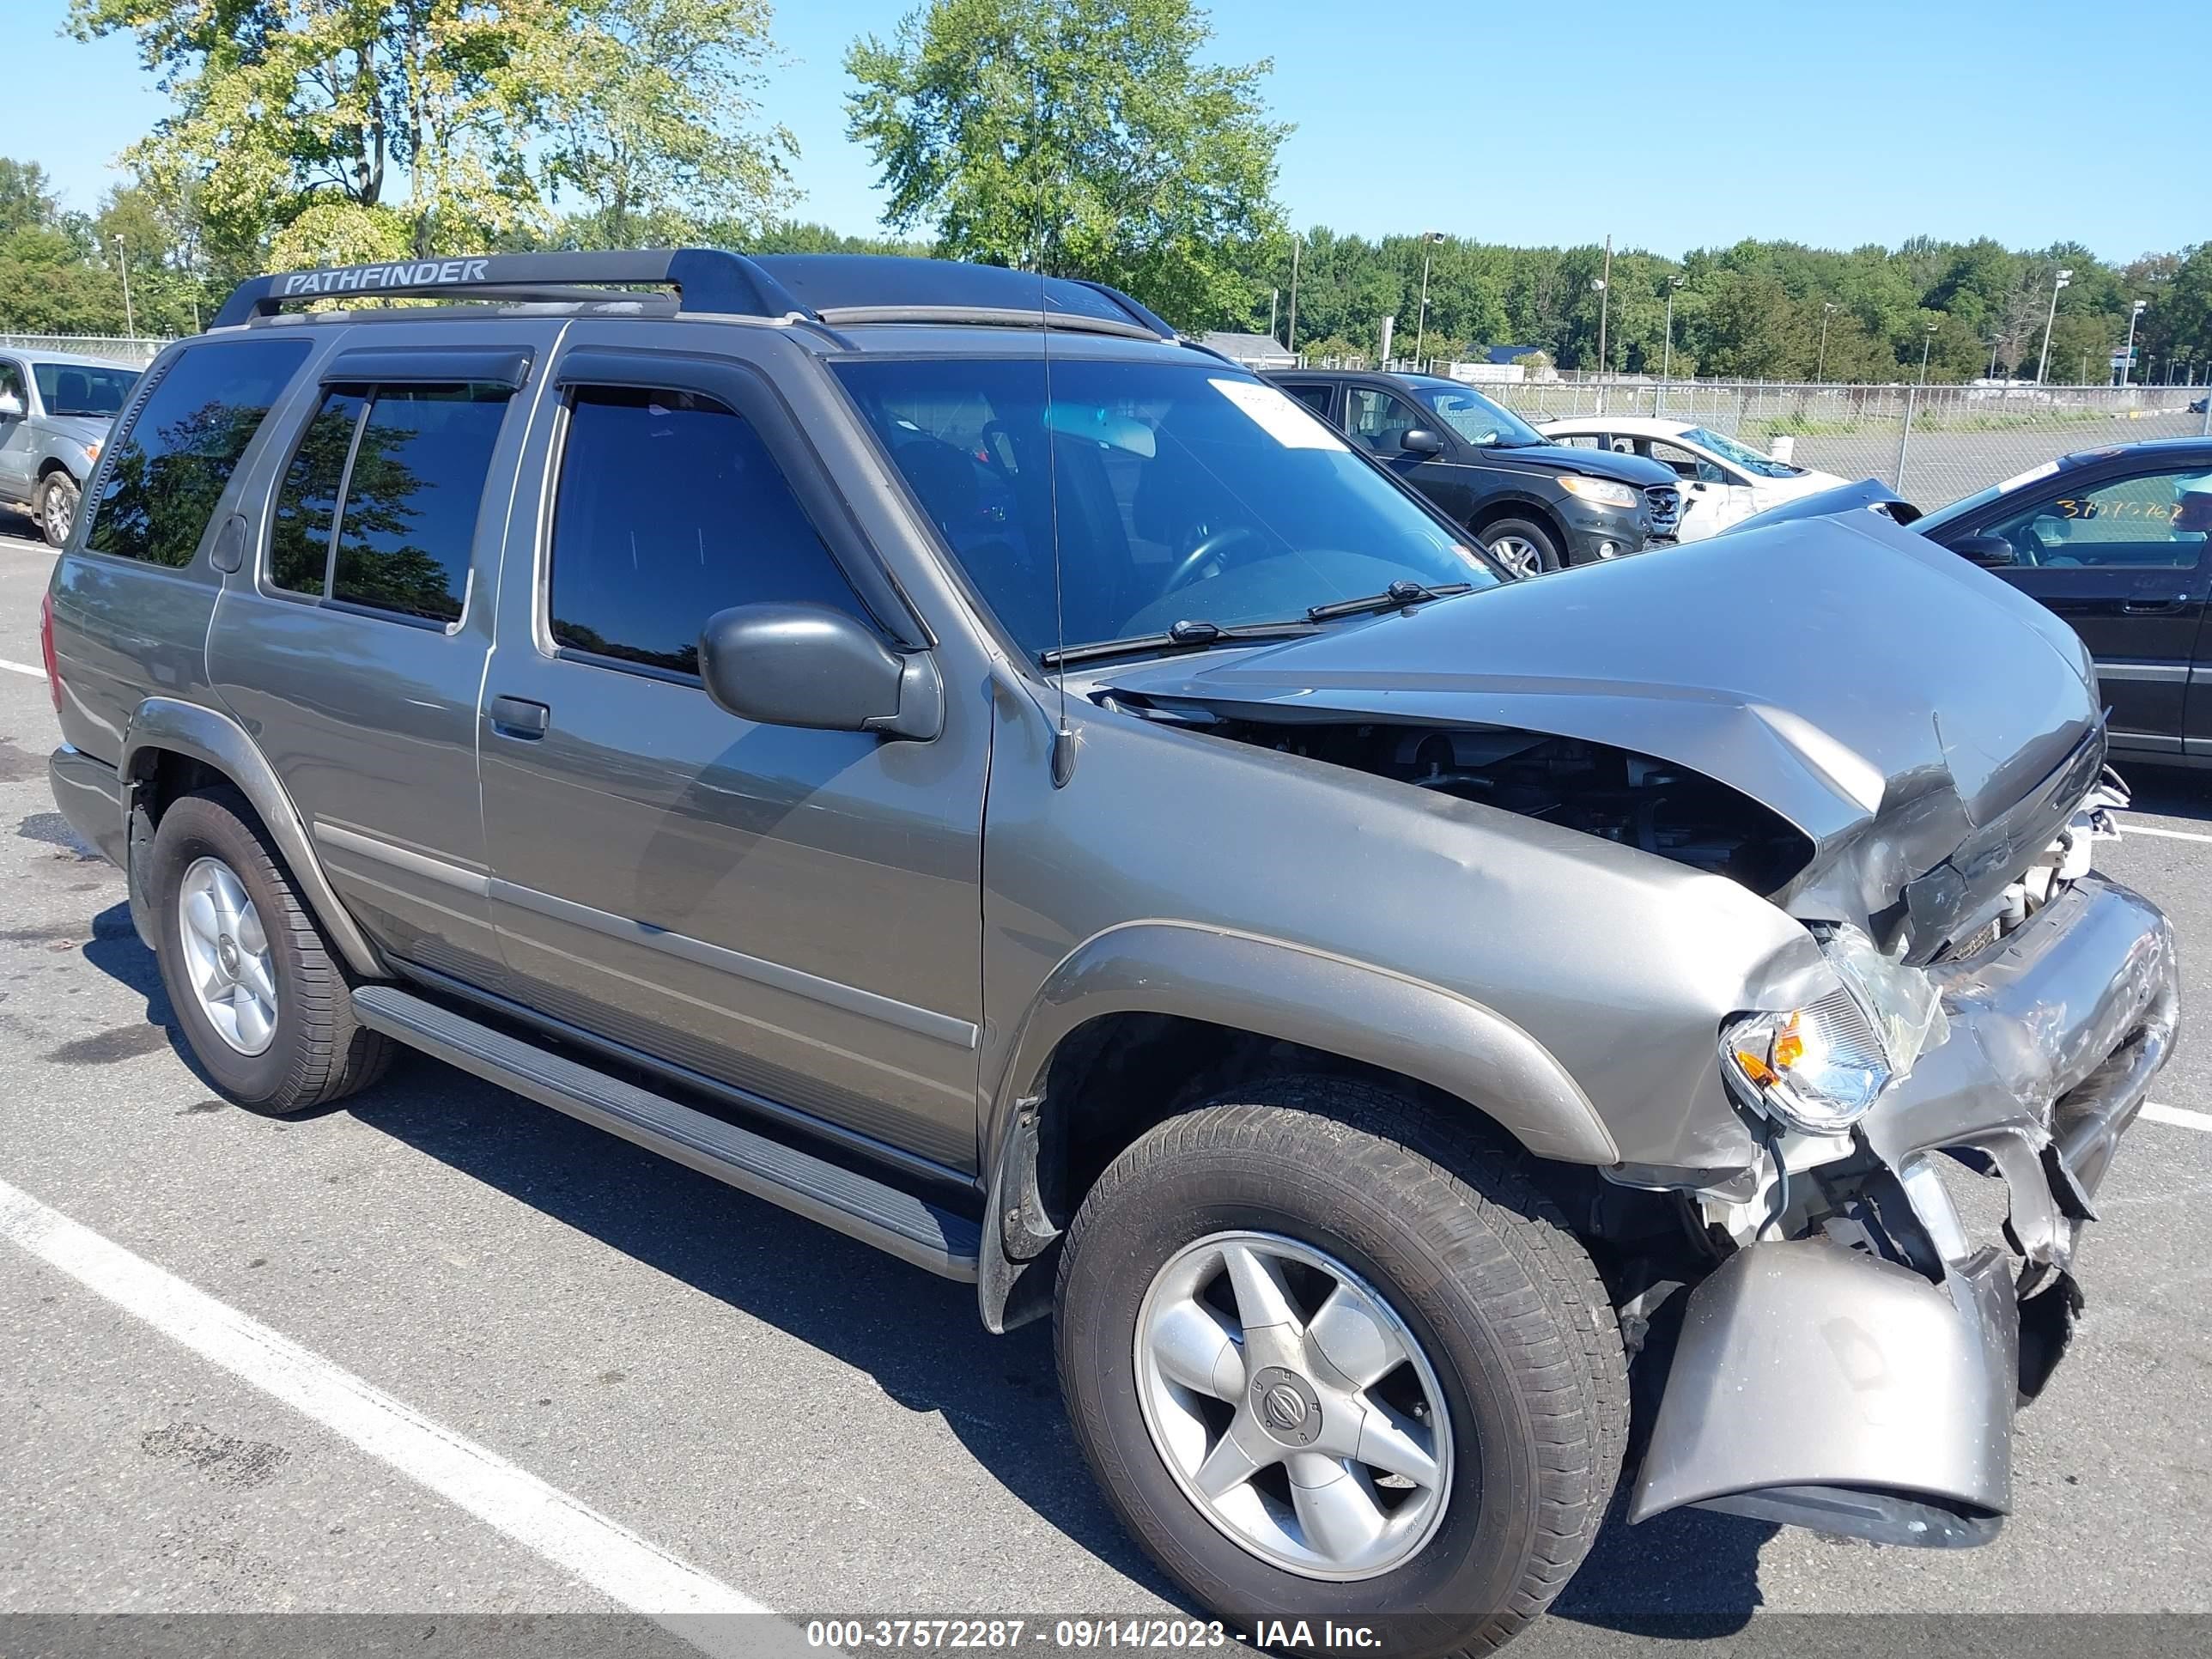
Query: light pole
(2056, 283)
(2128, 358)
(1603, 284)
(1820, 363)
(1666, 351)
(1429, 240)
(1905, 438)
(1290, 346)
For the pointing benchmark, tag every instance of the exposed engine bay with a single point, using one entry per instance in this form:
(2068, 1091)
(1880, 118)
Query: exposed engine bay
(1612, 793)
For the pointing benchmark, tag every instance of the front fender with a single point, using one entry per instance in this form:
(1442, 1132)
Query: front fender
(172, 726)
(1270, 988)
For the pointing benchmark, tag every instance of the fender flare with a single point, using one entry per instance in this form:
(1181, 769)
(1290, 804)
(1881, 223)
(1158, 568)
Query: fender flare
(1276, 988)
(169, 724)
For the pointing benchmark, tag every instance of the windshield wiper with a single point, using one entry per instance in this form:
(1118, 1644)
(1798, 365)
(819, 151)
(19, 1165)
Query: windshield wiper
(1192, 636)
(1400, 592)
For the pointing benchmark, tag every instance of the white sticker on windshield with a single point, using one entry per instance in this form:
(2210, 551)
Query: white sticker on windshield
(2028, 476)
(1278, 417)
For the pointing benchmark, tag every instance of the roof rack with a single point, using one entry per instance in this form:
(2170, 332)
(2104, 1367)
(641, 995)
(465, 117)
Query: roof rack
(705, 280)
(831, 288)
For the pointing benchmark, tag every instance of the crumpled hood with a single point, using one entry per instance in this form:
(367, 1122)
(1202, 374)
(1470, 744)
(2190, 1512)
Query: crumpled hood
(1913, 715)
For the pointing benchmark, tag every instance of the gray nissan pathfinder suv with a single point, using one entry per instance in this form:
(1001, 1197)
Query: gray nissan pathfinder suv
(927, 747)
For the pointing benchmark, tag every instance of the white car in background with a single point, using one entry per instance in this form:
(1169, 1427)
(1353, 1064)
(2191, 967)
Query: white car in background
(1722, 480)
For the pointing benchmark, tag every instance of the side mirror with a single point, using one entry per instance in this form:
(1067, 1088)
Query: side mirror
(1991, 552)
(11, 406)
(1419, 441)
(812, 666)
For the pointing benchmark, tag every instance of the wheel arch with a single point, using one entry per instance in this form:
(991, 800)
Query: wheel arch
(173, 747)
(1523, 505)
(1138, 1020)
(53, 464)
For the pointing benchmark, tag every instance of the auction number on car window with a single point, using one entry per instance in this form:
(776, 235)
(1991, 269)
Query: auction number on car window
(2087, 506)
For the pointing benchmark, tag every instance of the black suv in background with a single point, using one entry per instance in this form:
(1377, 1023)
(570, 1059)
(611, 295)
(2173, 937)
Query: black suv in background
(1534, 504)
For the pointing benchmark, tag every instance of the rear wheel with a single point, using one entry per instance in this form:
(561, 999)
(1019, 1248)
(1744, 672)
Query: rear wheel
(1330, 1357)
(57, 507)
(267, 1008)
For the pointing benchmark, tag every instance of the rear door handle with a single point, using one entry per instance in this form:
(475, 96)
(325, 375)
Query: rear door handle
(517, 717)
(2153, 607)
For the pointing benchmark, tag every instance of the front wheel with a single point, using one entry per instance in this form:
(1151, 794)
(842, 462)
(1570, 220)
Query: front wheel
(1522, 545)
(57, 507)
(1331, 1357)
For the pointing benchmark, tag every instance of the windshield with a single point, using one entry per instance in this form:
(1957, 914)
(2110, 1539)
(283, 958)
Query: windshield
(80, 389)
(1740, 455)
(1475, 419)
(1175, 491)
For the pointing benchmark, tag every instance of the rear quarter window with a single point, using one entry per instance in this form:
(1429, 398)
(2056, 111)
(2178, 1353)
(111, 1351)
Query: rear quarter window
(170, 466)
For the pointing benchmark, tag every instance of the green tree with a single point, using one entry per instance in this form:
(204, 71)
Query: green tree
(1077, 137)
(26, 199)
(657, 122)
(318, 131)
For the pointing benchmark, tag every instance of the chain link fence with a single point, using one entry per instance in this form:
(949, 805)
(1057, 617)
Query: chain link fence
(137, 350)
(1932, 444)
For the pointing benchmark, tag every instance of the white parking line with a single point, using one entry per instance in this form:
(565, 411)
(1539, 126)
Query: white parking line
(599, 1551)
(2180, 1117)
(2129, 827)
(36, 673)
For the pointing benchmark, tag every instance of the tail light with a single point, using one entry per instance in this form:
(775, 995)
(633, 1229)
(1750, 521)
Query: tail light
(46, 650)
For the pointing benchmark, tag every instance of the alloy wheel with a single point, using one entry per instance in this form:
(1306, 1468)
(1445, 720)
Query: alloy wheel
(61, 513)
(1519, 554)
(1293, 1405)
(227, 960)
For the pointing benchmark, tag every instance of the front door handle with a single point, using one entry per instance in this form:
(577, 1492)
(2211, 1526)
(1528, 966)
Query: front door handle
(517, 717)
(2153, 607)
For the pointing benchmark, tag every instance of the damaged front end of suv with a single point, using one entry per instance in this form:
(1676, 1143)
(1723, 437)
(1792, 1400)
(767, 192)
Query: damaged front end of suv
(1908, 764)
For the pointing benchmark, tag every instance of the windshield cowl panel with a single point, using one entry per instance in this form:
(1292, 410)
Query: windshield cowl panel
(1138, 493)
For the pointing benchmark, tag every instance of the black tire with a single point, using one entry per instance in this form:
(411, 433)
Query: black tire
(1479, 1265)
(318, 1052)
(1538, 540)
(58, 499)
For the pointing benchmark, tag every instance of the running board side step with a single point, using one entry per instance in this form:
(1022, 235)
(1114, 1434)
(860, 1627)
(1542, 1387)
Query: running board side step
(875, 1213)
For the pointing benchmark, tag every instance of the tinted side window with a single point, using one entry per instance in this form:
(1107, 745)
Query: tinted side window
(169, 469)
(670, 507)
(410, 518)
(1315, 397)
(307, 506)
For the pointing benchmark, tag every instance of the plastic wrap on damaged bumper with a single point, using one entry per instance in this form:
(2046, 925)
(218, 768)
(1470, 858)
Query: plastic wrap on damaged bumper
(1827, 1386)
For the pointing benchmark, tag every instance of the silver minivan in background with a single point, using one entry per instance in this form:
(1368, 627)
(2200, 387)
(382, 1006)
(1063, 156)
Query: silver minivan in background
(55, 410)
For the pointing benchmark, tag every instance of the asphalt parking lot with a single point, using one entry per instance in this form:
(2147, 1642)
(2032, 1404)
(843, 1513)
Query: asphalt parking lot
(610, 1374)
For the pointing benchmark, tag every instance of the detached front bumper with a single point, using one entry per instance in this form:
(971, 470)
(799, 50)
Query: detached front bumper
(1833, 1387)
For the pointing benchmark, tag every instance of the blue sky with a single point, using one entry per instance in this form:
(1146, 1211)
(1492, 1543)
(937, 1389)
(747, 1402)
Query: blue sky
(1670, 126)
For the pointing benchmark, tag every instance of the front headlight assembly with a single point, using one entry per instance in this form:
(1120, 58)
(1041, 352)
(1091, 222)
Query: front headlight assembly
(1605, 492)
(1820, 1067)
